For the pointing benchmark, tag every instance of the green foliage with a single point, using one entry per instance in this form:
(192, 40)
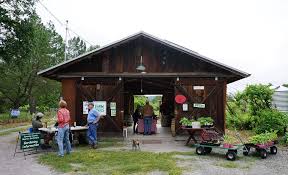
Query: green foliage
(229, 139)
(263, 138)
(76, 47)
(205, 121)
(258, 97)
(139, 101)
(184, 121)
(27, 46)
(5, 118)
(271, 120)
(236, 118)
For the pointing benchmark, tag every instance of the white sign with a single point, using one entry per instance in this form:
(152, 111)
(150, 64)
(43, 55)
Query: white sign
(198, 105)
(100, 106)
(185, 107)
(113, 112)
(198, 87)
(113, 105)
(85, 107)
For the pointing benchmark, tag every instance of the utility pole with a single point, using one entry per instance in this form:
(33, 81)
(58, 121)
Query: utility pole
(65, 48)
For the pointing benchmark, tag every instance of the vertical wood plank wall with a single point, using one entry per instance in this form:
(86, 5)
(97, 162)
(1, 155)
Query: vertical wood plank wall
(69, 95)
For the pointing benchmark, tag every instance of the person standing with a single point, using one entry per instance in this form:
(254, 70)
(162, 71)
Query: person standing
(147, 114)
(135, 116)
(63, 116)
(92, 121)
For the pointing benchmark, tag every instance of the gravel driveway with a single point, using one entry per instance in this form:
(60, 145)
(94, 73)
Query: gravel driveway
(214, 164)
(18, 165)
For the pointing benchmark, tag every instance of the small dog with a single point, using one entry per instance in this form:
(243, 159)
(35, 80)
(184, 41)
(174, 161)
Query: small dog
(135, 144)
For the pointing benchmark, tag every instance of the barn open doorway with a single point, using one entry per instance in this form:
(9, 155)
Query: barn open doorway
(160, 94)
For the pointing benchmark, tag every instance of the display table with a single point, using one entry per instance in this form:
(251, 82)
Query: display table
(53, 129)
(49, 133)
(192, 132)
(141, 126)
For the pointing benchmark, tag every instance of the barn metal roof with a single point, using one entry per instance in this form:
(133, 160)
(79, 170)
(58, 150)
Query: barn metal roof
(156, 39)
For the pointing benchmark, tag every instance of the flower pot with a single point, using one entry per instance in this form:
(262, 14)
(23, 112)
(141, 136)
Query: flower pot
(227, 145)
(196, 125)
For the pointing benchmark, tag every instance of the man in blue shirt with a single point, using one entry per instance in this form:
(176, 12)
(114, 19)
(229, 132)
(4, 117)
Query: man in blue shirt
(92, 121)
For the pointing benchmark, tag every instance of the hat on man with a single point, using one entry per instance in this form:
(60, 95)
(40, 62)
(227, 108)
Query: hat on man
(39, 114)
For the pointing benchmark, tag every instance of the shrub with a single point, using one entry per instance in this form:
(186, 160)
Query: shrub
(271, 120)
(238, 118)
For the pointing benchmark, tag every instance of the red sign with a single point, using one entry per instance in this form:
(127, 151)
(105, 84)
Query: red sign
(180, 99)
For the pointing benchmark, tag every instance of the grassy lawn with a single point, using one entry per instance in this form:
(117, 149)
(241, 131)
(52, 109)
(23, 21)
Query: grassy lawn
(6, 120)
(113, 162)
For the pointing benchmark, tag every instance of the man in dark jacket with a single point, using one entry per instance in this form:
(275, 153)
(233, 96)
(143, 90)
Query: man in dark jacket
(36, 122)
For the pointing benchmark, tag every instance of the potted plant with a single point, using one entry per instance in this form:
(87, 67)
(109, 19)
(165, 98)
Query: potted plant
(264, 139)
(228, 141)
(206, 121)
(186, 122)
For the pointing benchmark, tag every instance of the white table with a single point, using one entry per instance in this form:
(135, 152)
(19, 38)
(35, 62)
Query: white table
(53, 129)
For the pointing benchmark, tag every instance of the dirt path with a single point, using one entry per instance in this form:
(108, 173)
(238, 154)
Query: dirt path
(17, 165)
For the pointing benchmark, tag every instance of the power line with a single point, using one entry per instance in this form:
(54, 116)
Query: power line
(58, 20)
(80, 36)
(62, 24)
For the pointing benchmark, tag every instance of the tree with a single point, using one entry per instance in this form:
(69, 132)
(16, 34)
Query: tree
(34, 47)
(76, 47)
(92, 47)
(258, 97)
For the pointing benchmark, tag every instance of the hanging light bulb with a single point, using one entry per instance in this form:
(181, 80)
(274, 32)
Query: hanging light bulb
(141, 67)
(141, 87)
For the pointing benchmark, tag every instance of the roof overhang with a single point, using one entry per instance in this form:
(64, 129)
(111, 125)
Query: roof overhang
(49, 71)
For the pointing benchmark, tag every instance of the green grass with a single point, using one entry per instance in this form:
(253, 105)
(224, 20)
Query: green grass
(113, 162)
(6, 118)
(110, 142)
(13, 130)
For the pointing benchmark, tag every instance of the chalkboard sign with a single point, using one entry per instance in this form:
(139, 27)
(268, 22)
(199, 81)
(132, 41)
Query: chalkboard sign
(29, 140)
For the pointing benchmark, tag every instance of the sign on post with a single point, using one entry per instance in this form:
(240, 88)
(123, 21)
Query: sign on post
(29, 140)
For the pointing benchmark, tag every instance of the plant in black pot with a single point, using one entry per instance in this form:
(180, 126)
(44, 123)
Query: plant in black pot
(187, 123)
(206, 121)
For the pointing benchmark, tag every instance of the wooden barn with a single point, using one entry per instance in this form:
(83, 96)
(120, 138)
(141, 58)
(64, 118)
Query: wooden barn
(144, 64)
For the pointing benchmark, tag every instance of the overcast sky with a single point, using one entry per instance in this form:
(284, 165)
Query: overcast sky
(251, 35)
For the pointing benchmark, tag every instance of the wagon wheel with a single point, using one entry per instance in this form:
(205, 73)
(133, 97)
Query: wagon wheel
(263, 153)
(273, 150)
(200, 150)
(207, 150)
(231, 155)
